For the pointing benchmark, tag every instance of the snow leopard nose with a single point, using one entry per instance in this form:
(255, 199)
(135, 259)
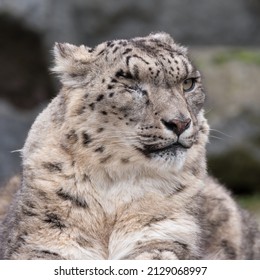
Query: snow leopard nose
(176, 125)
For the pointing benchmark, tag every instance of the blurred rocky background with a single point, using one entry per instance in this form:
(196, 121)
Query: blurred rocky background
(224, 40)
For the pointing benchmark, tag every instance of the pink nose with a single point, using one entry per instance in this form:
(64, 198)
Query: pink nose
(176, 125)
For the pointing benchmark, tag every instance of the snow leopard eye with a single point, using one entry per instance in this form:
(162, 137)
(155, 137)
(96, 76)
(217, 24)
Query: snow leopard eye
(189, 84)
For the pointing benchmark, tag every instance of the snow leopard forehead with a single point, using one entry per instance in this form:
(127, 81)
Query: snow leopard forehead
(152, 58)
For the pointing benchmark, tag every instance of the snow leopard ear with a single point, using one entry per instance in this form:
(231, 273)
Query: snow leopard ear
(71, 63)
(163, 37)
(166, 38)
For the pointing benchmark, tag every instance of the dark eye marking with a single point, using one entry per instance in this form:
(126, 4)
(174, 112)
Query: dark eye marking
(138, 89)
(121, 74)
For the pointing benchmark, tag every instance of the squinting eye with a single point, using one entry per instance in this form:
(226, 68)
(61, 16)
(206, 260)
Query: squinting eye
(188, 85)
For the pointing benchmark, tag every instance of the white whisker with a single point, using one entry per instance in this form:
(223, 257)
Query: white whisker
(215, 137)
(209, 110)
(17, 151)
(215, 130)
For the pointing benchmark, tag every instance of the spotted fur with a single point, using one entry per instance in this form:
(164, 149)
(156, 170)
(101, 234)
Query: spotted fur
(114, 167)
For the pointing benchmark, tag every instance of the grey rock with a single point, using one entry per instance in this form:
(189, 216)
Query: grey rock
(14, 126)
(190, 22)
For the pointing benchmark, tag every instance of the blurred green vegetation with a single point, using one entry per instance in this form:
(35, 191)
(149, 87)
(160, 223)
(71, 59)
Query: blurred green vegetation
(242, 55)
(250, 202)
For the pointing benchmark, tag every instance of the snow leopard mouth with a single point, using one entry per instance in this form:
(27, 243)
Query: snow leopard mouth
(172, 149)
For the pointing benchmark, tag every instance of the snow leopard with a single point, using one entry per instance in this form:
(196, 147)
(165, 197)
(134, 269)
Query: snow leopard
(115, 167)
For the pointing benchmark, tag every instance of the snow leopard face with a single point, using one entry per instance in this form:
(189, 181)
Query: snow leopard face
(137, 100)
